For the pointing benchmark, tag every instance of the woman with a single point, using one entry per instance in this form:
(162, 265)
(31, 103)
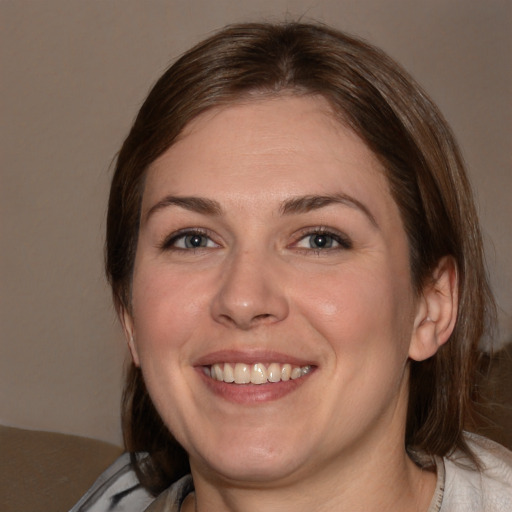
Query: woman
(295, 257)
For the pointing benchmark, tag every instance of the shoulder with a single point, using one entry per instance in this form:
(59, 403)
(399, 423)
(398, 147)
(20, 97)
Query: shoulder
(116, 490)
(470, 490)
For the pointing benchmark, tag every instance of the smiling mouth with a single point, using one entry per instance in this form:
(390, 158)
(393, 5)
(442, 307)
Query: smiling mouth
(258, 373)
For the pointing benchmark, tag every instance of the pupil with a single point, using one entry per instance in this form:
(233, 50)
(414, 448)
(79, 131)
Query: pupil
(195, 241)
(320, 240)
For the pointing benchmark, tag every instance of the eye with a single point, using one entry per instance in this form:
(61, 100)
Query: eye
(185, 240)
(320, 241)
(323, 240)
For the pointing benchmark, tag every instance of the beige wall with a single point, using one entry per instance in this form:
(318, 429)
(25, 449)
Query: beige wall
(73, 73)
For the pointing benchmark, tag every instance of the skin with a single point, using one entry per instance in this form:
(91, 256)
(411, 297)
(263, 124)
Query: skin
(261, 290)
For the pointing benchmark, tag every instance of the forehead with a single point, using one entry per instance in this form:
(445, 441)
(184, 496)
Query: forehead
(267, 149)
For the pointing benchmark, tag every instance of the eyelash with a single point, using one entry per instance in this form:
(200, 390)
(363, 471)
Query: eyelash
(169, 243)
(344, 243)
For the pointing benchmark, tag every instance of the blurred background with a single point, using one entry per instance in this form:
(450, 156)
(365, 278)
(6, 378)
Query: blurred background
(73, 75)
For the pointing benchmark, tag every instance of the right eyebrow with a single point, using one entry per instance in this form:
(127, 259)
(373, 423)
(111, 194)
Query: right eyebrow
(193, 204)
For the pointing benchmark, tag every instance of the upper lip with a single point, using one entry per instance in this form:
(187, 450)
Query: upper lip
(251, 357)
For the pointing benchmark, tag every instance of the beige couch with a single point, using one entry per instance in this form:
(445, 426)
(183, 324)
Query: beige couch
(46, 471)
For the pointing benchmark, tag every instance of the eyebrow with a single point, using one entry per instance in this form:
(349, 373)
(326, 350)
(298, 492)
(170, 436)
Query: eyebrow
(193, 204)
(309, 203)
(295, 205)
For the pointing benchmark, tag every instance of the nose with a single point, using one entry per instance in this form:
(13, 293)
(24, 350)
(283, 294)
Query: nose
(251, 292)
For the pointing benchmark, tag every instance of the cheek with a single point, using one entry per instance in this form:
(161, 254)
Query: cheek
(167, 308)
(360, 312)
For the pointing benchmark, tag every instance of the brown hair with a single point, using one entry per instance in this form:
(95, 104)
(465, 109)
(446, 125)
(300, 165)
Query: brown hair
(370, 93)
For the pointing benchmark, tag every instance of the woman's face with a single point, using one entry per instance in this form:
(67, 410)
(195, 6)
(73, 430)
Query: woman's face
(272, 253)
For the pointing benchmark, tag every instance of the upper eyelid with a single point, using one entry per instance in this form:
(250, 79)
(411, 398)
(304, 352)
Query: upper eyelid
(323, 230)
(304, 232)
(180, 233)
(342, 238)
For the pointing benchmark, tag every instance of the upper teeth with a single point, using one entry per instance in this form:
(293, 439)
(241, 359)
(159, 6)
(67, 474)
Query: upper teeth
(241, 373)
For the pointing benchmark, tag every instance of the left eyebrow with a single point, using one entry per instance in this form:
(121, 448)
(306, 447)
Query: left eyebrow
(304, 204)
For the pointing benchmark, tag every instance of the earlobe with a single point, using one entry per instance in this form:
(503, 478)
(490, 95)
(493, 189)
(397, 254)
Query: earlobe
(436, 312)
(129, 333)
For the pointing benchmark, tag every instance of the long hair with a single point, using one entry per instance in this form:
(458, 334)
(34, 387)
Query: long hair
(382, 104)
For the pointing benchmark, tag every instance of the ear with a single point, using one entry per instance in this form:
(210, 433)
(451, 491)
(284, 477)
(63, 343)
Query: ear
(129, 333)
(436, 311)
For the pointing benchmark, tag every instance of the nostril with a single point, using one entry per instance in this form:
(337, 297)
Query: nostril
(261, 317)
(248, 323)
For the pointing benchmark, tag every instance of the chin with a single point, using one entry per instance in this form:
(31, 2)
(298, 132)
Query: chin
(253, 460)
(263, 470)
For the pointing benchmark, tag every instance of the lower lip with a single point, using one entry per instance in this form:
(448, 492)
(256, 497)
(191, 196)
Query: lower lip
(252, 393)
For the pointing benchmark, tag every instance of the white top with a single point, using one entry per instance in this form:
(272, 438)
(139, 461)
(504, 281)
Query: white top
(459, 487)
(468, 490)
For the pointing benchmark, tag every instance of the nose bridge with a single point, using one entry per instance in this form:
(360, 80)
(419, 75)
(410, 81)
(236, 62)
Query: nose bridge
(251, 291)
